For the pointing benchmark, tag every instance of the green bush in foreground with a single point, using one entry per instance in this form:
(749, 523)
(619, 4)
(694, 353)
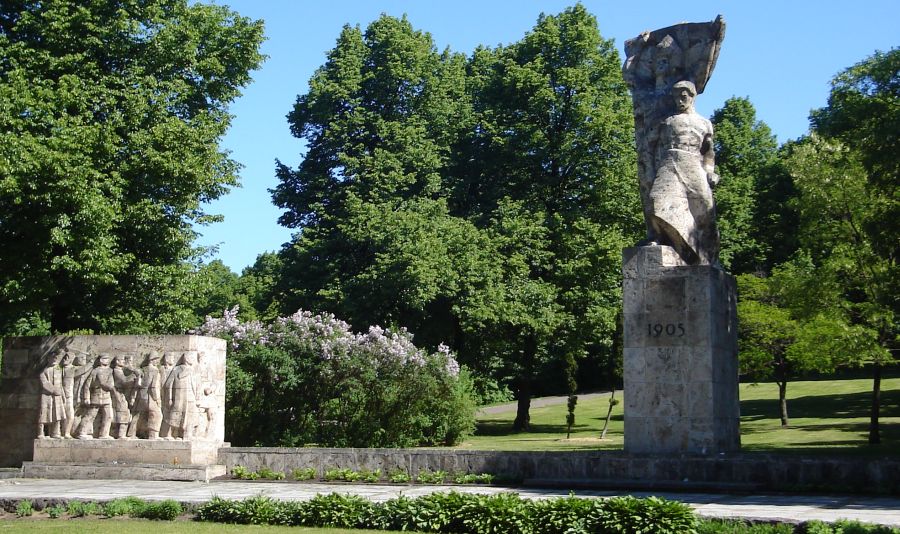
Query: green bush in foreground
(456, 512)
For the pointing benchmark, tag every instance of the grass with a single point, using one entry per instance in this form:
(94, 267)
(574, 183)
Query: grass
(142, 526)
(825, 415)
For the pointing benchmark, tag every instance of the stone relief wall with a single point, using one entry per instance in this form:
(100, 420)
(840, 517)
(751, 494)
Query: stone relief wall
(110, 387)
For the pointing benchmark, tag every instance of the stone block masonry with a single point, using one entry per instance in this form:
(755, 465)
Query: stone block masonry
(680, 355)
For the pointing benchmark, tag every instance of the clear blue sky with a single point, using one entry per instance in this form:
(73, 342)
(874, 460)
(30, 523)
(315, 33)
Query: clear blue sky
(780, 54)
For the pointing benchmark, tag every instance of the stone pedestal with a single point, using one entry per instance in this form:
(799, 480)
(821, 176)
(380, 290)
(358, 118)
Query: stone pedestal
(125, 459)
(680, 355)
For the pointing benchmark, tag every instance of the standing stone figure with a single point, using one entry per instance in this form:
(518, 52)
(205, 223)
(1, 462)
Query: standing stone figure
(183, 388)
(165, 387)
(52, 403)
(147, 404)
(665, 70)
(124, 380)
(206, 404)
(74, 370)
(97, 396)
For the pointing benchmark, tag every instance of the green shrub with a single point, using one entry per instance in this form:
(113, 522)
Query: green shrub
(24, 508)
(730, 526)
(653, 514)
(399, 476)
(846, 527)
(436, 512)
(128, 506)
(83, 509)
(259, 510)
(219, 510)
(370, 476)
(55, 512)
(307, 473)
(501, 513)
(242, 473)
(338, 511)
(566, 515)
(269, 474)
(431, 477)
(166, 510)
(375, 389)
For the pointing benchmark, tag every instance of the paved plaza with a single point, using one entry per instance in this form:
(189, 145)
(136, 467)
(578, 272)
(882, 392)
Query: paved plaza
(789, 508)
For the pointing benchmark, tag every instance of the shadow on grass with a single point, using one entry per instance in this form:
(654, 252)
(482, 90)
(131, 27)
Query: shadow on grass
(837, 406)
(505, 428)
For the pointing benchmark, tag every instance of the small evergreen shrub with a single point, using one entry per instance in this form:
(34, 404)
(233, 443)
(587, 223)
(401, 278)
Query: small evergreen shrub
(24, 508)
(55, 512)
(166, 510)
(268, 474)
(307, 473)
(730, 526)
(399, 476)
(83, 509)
(338, 511)
(426, 476)
(628, 514)
(128, 506)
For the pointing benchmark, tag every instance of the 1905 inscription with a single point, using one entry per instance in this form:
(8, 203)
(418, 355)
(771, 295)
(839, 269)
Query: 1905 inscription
(665, 329)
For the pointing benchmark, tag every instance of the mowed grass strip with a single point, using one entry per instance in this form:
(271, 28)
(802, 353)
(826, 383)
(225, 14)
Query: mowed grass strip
(825, 415)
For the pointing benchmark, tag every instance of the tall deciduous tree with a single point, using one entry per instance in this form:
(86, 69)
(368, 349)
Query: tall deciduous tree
(110, 118)
(376, 241)
(746, 151)
(853, 276)
(552, 149)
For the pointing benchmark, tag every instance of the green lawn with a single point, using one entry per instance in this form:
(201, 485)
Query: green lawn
(143, 526)
(828, 414)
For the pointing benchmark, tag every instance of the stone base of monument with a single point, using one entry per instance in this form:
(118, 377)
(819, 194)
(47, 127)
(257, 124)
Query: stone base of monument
(125, 459)
(680, 355)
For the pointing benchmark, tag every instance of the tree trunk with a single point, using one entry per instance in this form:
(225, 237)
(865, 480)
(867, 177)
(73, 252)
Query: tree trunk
(523, 418)
(874, 430)
(612, 397)
(782, 401)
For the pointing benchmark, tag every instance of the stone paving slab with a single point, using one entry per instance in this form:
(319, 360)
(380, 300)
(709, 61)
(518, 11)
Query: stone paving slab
(788, 508)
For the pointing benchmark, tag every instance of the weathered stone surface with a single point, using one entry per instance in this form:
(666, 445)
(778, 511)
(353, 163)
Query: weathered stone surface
(736, 471)
(117, 396)
(665, 70)
(91, 471)
(680, 352)
(166, 452)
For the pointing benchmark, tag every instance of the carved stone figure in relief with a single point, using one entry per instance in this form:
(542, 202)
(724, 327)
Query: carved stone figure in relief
(124, 379)
(665, 70)
(52, 409)
(146, 410)
(97, 396)
(74, 371)
(183, 390)
(207, 402)
(168, 364)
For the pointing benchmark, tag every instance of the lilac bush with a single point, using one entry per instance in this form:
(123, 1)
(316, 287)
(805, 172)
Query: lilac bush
(308, 378)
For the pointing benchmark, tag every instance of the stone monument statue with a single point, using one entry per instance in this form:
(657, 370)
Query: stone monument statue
(183, 390)
(147, 409)
(52, 402)
(666, 69)
(680, 318)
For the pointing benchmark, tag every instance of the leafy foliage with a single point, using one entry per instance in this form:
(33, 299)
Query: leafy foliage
(308, 379)
(110, 118)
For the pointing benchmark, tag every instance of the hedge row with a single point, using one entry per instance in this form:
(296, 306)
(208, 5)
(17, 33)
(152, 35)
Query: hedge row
(462, 513)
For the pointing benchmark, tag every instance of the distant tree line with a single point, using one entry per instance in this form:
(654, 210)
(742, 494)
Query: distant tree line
(481, 201)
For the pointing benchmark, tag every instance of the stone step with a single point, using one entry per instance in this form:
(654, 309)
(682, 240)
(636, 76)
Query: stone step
(10, 472)
(123, 471)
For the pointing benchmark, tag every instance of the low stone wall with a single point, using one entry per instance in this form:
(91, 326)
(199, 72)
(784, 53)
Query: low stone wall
(740, 471)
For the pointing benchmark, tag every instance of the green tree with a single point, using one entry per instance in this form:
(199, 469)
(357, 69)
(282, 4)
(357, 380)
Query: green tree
(853, 276)
(110, 117)
(377, 244)
(746, 151)
(863, 111)
(549, 171)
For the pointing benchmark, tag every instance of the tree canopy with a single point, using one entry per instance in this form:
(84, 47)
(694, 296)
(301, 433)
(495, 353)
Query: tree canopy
(111, 114)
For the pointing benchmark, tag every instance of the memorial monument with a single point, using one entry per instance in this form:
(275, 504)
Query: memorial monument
(113, 406)
(680, 318)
